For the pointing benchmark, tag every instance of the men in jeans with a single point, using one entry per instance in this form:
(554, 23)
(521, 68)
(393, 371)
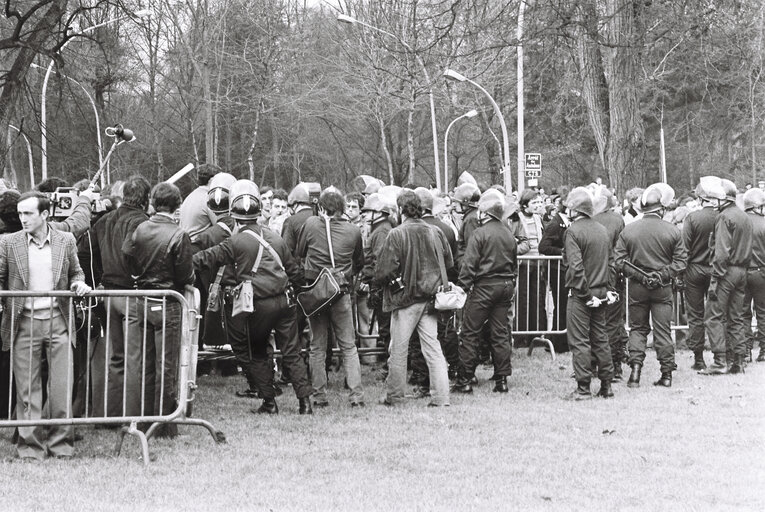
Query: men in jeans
(650, 253)
(40, 259)
(697, 229)
(109, 234)
(159, 254)
(754, 204)
(347, 256)
(488, 271)
(724, 315)
(409, 271)
(261, 257)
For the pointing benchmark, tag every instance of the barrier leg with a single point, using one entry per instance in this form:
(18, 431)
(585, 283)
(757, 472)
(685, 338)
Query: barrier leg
(133, 430)
(542, 340)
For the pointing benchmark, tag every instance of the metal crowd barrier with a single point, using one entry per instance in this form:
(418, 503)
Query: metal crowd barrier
(90, 320)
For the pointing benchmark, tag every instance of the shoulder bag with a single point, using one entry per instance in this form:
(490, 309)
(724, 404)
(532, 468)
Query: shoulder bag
(449, 296)
(243, 296)
(328, 287)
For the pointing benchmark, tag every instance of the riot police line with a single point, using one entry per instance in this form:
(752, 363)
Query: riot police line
(436, 280)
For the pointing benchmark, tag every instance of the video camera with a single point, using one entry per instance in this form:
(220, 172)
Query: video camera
(64, 200)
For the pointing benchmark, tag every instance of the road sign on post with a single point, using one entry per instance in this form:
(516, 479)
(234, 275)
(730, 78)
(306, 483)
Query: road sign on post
(533, 168)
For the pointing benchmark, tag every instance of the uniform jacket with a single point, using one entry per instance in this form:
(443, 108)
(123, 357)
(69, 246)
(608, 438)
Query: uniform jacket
(410, 253)
(448, 232)
(293, 226)
(240, 252)
(468, 226)
(697, 231)
(551, 243)
(519, 232)
(732, 241)
(652, 245)
(159, 255)
(758, 241)
(214, 234)
(14, 275)
(614, 224)
(313, 247)
(108, 236)
(373, 249)
(588, 258)
(491, 253)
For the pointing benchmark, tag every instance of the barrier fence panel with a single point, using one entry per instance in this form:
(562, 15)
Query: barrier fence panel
(539, 308)
(120, 358)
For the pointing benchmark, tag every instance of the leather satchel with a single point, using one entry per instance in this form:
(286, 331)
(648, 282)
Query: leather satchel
(449, 296)
(327, 289)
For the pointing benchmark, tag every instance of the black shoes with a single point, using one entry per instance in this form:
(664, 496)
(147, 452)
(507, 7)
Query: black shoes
(737, 366)
(665, 380)
(634, 380)
(247, 393)
(582, 392)
(267, 407)
(698, 361)
(718, 367)
(500, 385)
(305, 405)
(761, 356)
(462, 386)
(617, 372)
(605, 390)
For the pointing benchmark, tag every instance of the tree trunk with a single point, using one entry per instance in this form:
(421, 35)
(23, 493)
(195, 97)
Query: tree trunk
(388, 157)
(410, 139)
(250, 160)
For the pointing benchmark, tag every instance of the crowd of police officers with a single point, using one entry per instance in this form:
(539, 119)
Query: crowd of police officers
(395, 257)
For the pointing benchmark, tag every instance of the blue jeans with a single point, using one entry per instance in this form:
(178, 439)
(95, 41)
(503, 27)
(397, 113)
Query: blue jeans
(403, 322)
(340, 316)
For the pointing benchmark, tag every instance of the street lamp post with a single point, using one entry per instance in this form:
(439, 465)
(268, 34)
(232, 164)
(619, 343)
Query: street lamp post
(342, 18)
(95, 113)
(29, 154)
(43, 125)
(508, 182)
(471, 113)
(519, 99)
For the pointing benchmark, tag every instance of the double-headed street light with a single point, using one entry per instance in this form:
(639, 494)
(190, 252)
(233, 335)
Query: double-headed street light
(144, 13)
(468, 115)
(453, 75)
(343, 18)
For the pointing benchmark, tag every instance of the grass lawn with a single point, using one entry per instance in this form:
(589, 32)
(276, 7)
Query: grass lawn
(697, 446)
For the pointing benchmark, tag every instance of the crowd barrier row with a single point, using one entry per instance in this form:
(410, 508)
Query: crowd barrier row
(137, 397)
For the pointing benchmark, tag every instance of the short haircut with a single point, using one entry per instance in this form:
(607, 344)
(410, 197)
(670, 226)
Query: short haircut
(633, 194)
(43, 201)
(280, 193)
(166, 197)
(136, 190)
(205, 172)
(332, 202)
(410, 204)
(51, 184)
(266, 190)
(355, 196)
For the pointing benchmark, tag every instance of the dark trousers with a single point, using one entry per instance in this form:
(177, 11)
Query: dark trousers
(755, 292)
(696, 286)
(728, 311)
(617, 335)
(656, 306)
(488, 301)
(252, 333)
(588, 340)
(447, 336)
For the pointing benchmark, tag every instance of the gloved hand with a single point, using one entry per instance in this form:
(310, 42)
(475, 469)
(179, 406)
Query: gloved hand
(712, 291)
(594, 302)
(652, 280)
(363, 288)
(679, 283)
(665, 276)
(612, 297)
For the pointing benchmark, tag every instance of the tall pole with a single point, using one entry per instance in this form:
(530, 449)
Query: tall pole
(43, 110)
(469, 114)
(519, 94)
(348, 19)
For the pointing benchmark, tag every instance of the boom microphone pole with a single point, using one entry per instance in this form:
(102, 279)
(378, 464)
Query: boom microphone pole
(120, 135)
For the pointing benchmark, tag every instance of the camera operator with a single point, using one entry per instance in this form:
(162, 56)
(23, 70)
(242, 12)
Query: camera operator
(78, 221)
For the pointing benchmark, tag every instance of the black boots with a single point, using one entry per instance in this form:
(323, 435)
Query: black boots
(634, 380)
(462, 385)
(718, 367)
(605, 390)
(304, 405)
(617, 372)
(698, 361)
(267, 407)
(761, 356)
(500, 385)
(737, 365)
(665, 380)
(582, 392)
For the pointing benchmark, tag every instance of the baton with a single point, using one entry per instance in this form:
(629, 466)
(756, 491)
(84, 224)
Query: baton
(637, 269)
